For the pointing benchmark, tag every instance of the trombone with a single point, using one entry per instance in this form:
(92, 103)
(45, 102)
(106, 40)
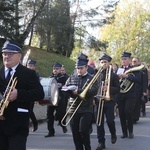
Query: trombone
(4, 102)
(82, 95)
(104, 95)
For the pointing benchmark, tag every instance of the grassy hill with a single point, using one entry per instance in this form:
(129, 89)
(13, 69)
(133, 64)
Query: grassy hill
(45, 61)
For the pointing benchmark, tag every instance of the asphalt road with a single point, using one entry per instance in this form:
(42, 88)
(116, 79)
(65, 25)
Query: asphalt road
(61, 141)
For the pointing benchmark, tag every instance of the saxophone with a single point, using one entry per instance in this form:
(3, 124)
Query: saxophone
(126, 84)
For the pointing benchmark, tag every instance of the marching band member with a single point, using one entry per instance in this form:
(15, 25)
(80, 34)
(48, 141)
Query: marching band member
(65, 94)
(63, 72)
(31, 64)
(126, 101)
(108, 107)
(81, 121)
(141, 91)
(56, 112)
(14, 129)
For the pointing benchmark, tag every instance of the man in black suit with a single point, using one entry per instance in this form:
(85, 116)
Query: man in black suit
(56, 113)
(32, 65)
(126, 99)
(109, 86)
(14, 129)
(81, 121)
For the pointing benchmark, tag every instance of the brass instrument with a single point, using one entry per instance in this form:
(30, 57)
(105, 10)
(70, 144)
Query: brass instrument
(82, 95)
(4, 102)
(103, 95)
(126, 84)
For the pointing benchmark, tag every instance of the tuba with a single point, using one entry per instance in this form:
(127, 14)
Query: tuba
(126, 84)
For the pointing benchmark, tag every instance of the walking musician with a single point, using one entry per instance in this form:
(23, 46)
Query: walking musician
(81, 120)
(56, 113)
(127, 97)
(109, 86)
(23, 87)
(31, 64)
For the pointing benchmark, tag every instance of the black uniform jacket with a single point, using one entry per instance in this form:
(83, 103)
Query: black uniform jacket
(82, 82)
(17, 113)
(142, 86)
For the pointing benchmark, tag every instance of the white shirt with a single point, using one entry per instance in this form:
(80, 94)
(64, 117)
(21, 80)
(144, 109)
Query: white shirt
(12, 71)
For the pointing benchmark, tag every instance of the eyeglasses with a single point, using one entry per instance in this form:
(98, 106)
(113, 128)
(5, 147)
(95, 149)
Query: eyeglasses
(8, 54)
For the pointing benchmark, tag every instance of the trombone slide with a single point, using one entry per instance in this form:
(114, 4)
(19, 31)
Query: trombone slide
(100, 106)
(104, 95)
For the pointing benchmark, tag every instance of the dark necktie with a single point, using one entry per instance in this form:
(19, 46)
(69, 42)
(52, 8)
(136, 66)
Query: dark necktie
(8, 75)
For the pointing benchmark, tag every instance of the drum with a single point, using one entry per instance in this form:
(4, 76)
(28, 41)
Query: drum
(51, 91)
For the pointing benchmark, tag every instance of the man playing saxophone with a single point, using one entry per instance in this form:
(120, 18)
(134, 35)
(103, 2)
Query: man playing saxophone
(81, 120)
(127, 97)
(109, 86)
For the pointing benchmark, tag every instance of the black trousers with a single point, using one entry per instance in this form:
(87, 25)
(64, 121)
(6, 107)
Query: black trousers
(55, 113)
(137, 108)
(15, 142)
(126, 103)
(143, 107)
(32, 115)
(80, 125)
(108, 111)
(50, 118)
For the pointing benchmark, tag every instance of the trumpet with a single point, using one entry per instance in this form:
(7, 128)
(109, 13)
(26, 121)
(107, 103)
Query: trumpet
(82, 96)
(104, 95)
(5, 102)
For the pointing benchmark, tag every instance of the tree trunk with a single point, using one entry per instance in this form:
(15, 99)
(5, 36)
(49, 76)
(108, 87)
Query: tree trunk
(30, 25)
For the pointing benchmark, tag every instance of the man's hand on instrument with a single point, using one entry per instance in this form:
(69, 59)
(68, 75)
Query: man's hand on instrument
(105, 88)
(124, 75)
(13, 95)
(75, 92)
(59, 85)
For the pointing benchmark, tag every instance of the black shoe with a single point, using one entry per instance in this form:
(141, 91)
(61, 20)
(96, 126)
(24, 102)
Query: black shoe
(49, 135)
(131, 135)
(101, 146)
(124, 136)
(35, 127)
(113, 139)
(64, 129)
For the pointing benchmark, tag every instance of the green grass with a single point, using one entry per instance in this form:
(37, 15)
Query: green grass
(45, 61)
